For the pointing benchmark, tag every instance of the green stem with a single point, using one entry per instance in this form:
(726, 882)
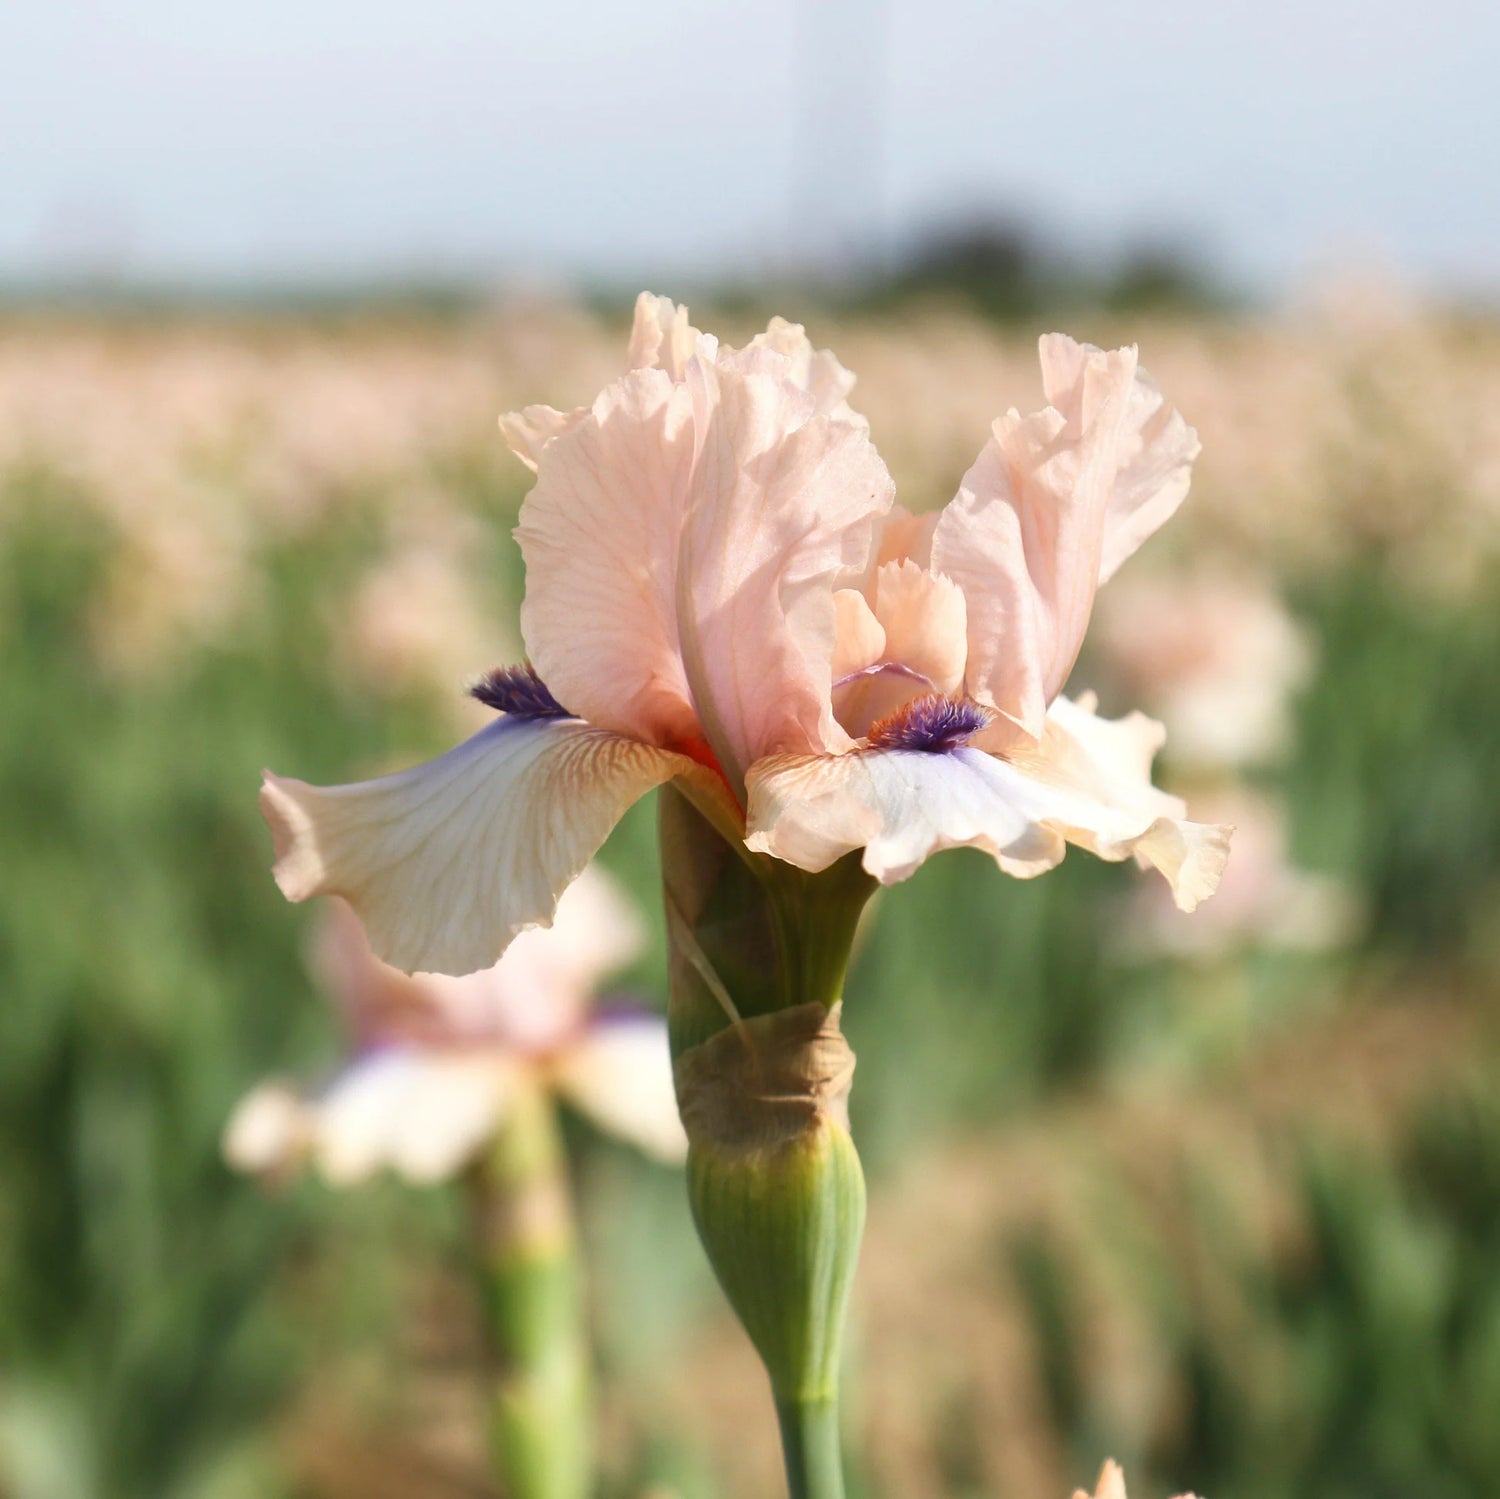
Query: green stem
(533, 1293)
(759, 952)
(810, 1445)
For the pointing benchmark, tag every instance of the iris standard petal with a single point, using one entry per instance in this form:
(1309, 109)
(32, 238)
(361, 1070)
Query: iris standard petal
(663, 338)
(858, 640)
(529, 430)
(906, 536)
(1087, 782)
(1154, 458)
(816, 371)
(600, 533)
(1052, 505)
(445, 863)
(683, 544)
(782, 511)
(923, 616)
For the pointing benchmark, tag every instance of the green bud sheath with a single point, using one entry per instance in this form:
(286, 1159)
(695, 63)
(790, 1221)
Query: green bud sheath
(541, 1443)
(758, 955)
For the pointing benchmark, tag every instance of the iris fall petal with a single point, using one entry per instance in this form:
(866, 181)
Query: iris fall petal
(445, 863)
(1086, 782)
(1053, 504)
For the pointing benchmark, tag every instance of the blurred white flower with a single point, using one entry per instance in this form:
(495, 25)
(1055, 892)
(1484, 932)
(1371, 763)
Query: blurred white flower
(1111, 1485)
(417, 621)
(1263, 899)
(437, 1062)
(1216, 658)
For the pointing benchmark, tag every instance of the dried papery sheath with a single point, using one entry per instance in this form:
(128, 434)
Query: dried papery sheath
(765, 1081)
(776, 1186)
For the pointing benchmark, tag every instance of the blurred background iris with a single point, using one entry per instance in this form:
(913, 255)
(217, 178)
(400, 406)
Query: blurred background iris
(1218, 1194)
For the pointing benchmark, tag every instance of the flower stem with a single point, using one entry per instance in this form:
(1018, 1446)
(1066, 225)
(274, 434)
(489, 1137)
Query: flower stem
(759, 951)
(810, 1446)
(540, 1443)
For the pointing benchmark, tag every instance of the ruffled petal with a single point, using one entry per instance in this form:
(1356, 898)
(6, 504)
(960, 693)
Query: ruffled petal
(529, 430)
(1156, 447)
(682, 546)
(1099, 770)
(1086, 782)
(620, 1074)
(900, 806)
(1054, 502)
(445, 863)
(663, 338)
(782, 511)
(814, 370)
(601, 533)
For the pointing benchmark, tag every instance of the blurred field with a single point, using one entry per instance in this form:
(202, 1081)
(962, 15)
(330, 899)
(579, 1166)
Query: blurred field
(1222, 1201)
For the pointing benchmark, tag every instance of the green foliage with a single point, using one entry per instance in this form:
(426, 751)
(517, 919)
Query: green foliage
(151, 974)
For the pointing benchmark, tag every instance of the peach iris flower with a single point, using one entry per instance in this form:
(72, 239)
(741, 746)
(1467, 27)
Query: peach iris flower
(719, 593)
(1111, 1485)
(437, 1062)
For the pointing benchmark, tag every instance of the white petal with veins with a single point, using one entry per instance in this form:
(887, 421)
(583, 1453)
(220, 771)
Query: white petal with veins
(447, 862)
(1086, 782)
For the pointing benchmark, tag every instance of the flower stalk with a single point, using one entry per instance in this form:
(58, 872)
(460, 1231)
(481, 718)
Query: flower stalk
(541, 1440)
(758, 957)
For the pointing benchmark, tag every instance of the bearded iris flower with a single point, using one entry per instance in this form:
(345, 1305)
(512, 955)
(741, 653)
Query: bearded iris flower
(458, 1076)
(721, 594)
(722, 599)
(439, 1065)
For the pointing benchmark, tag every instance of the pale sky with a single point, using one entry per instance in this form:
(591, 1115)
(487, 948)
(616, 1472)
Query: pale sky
(289, 140)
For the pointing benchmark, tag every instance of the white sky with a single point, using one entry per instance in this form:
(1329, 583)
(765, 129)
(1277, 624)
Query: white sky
(292, 139)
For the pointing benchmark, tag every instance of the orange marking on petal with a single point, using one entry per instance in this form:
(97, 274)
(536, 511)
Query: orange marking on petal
(701, 753)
